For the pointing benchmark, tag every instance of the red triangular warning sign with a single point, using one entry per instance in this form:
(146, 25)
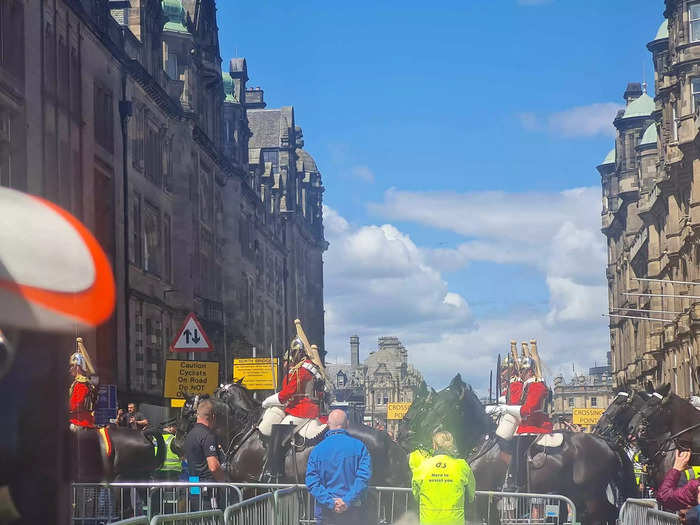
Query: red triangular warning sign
(191, 337)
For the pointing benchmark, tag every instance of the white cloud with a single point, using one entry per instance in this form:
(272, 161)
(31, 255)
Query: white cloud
(379, 282)
(581, 121)
(362, 172)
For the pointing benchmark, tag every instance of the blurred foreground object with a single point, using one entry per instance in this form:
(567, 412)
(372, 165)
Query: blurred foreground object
(54, 280)
(53, 274)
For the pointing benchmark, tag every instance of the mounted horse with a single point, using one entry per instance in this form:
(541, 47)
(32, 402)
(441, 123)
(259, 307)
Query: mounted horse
(246, 450)
(581, 467)
(665, 423)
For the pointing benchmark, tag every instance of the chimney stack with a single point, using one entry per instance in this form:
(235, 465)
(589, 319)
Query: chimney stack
(354, 351)
(633, 92)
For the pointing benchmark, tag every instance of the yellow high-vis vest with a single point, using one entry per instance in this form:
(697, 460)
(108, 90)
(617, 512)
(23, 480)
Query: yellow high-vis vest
(172, 461)
(441, 485)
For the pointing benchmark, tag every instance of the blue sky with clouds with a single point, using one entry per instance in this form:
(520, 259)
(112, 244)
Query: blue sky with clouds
(458, 143)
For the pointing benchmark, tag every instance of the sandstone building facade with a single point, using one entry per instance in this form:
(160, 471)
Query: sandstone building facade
(122, 113)
(651, 215)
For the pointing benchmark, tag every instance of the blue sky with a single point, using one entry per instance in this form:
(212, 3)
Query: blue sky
(446, 135)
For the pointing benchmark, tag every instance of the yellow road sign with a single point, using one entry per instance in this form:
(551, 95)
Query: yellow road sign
(256, 372)
(177, 403)
(191, 377)
(587, 416)
(397, 410)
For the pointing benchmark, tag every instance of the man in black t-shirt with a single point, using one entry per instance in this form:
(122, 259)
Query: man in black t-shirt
(201, 449)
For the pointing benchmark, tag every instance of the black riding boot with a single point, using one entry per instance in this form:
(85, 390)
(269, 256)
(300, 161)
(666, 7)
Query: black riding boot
(276, 449)
(512, 483)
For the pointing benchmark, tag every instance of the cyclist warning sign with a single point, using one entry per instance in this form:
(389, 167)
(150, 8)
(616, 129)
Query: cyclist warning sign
(190, 377)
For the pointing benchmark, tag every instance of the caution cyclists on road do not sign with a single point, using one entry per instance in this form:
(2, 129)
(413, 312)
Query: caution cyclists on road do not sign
(190, 377)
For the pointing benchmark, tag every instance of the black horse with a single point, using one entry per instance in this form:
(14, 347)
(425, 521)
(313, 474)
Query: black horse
(123, 454)
(237, 415)
(583, 468)
(665, 423)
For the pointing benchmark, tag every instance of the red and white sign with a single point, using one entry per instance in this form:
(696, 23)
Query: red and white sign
(191, 337)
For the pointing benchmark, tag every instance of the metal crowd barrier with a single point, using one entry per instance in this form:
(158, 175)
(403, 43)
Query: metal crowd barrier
(285, 504)
(110, 502)
(645, 512)
(512, 508)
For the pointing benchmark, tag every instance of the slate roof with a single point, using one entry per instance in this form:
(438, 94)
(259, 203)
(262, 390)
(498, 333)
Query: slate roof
(308, 162)
(268, 126)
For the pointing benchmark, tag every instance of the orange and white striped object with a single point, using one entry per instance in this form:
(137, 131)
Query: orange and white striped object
(54, 276)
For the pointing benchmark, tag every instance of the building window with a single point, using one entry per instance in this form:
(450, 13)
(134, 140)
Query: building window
(136, 252)
(571, 402)
(171, 66)
(674, 124)
(273, 157)
(167, 269)
(152, 255)
(695, 86)
(594, 401)
(12, 37)
(694, 18)
(103, 116)
(154, 156)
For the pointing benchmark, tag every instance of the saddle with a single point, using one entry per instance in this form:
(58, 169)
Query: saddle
(554, 440)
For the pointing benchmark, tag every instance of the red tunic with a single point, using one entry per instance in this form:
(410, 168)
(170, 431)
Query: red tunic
(294, 394)
(534, 419)
(79, 415)
(515, 393)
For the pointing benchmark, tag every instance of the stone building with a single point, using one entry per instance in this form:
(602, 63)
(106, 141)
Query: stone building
(384, 377)
(651, 215)
(122, 113)
(582, 391)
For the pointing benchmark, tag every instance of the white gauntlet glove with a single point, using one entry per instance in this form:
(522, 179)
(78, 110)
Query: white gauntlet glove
(513, 410)
(271, 401)
(494, 410)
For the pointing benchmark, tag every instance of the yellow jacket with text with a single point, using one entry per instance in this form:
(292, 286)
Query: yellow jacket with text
(441, 485)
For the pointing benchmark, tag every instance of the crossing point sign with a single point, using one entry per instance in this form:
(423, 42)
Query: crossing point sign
(191, 337)
(587, 416)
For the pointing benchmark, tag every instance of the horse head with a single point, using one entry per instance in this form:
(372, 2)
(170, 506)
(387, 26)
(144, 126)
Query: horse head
(237, 397)
(187, 419)
(653, 417)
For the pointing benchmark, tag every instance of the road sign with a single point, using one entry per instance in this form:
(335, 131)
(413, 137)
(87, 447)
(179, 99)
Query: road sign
(106, 405)
(256, 373)
(397, 410)
(587, 416)
(191, 337)
(190, 377)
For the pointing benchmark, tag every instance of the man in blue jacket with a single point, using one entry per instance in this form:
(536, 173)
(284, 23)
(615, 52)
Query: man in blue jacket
(337, 474)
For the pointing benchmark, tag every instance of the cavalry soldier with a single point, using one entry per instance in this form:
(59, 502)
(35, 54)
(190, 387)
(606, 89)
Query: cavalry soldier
(82, 393)
(531, 414)
(512, 388)
(298, 402)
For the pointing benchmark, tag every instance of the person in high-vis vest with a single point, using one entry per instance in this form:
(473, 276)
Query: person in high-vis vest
(172, 465)
(442, 483)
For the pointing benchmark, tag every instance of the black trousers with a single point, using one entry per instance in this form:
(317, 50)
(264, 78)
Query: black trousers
(352, 516)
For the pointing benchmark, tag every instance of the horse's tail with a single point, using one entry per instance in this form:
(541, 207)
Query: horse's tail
(160, 446)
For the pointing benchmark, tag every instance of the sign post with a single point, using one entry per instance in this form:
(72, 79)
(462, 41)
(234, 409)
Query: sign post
(397, 410)
(257, 373)
(191, 337)
(587, 416)
(190, 377)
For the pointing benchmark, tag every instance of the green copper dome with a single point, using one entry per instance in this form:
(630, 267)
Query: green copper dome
(663, 30)
(609, 158)
(641, 107)
(228, 88)
(649, 136)
(175, 16)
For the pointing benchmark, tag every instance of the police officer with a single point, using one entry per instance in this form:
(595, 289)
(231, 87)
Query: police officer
(442, 483)
(202, 451)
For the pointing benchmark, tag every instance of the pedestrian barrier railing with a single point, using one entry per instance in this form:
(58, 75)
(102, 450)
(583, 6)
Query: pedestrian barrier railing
(645, 512)
(512, 508)
(291, 504)
(138, 520)
(108, 503)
